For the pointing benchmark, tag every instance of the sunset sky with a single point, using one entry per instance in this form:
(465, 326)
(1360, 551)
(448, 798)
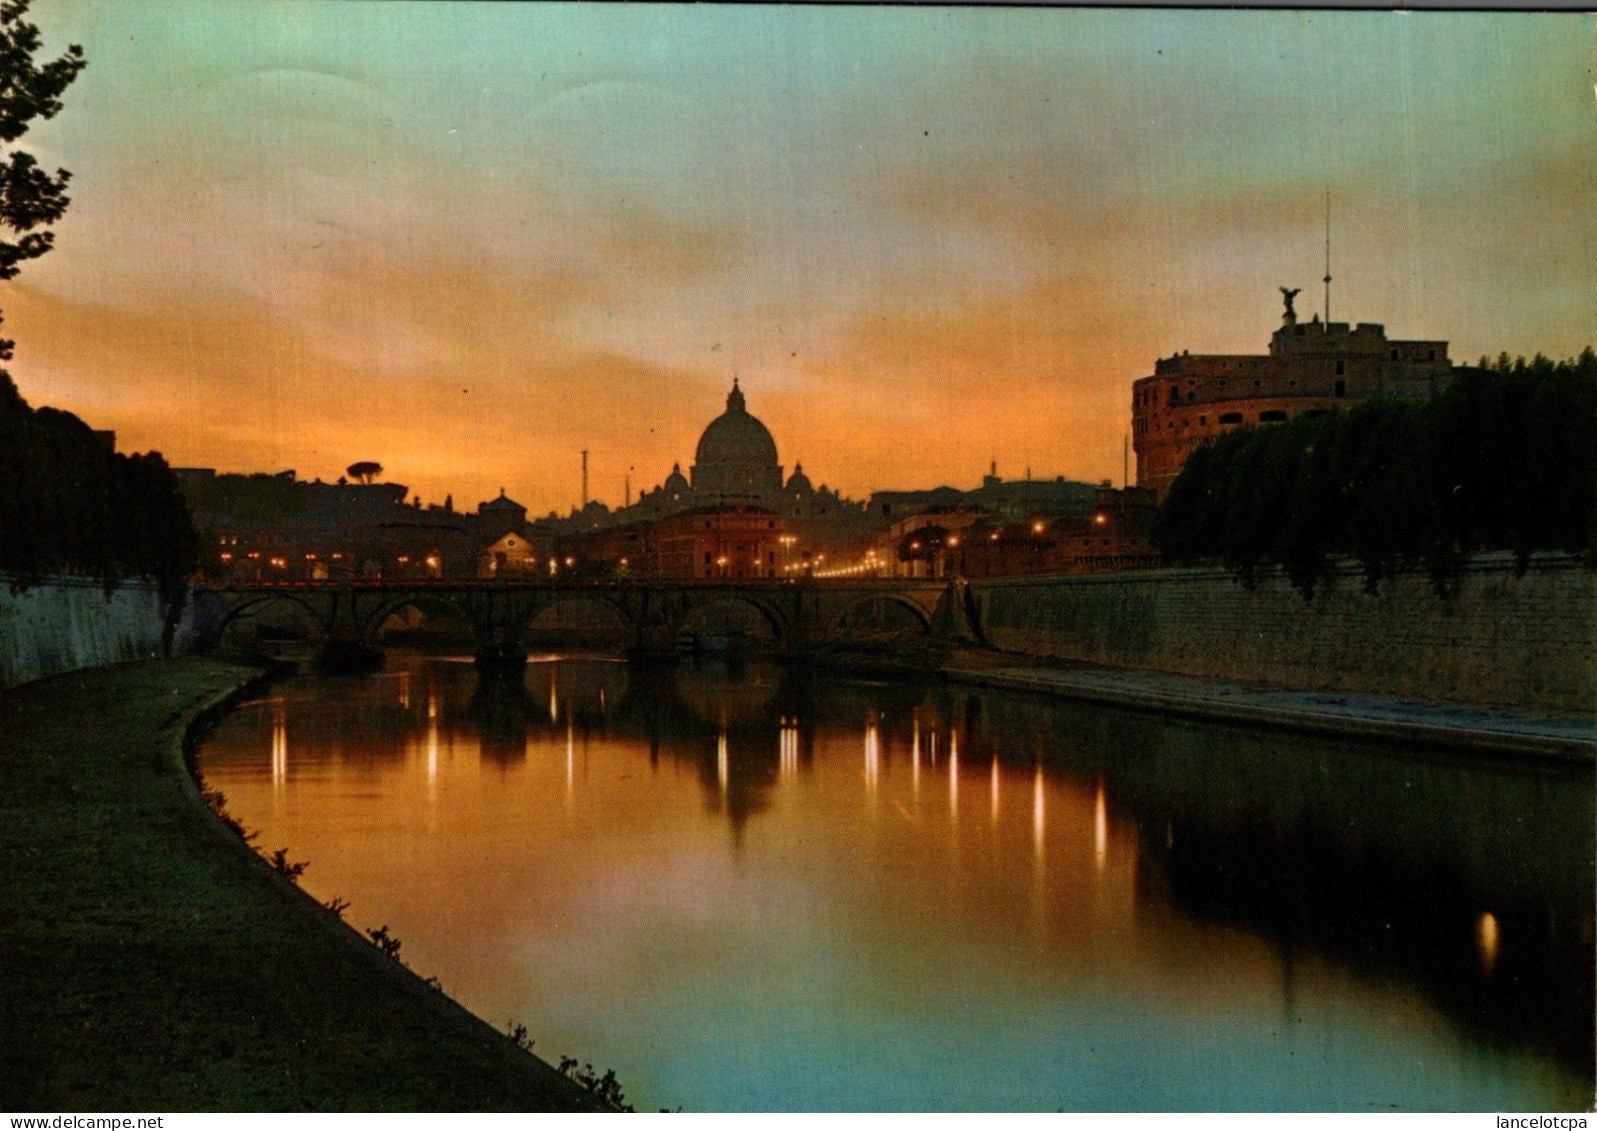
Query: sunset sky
(468, 241)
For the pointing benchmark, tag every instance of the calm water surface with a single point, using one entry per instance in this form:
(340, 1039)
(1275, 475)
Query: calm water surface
(757, 888)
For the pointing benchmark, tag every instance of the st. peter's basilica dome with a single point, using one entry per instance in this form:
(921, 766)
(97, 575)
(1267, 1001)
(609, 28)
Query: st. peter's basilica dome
(736, 458)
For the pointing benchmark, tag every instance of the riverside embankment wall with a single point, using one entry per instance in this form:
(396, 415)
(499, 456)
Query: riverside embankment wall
(68, 623)
(1528, 641)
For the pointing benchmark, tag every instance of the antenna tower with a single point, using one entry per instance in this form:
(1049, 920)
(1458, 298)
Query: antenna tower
(1327, 257)
(584, 478)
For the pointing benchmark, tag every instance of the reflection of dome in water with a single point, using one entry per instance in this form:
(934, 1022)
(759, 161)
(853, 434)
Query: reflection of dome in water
(714, 696)
(736, 455)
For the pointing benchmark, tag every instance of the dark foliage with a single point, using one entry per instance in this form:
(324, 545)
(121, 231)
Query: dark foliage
(517, 1032)
(606, 1087)
(1505, 458)
(289, 870)
(216, 800)
(68, 503)
(385, 942)
(247, 498)
(71, 505)
(29, 197)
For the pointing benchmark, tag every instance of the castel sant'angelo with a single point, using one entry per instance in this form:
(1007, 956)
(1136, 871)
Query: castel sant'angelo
(1311, 368)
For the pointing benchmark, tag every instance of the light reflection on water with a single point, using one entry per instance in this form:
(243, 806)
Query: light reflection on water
(749, 890)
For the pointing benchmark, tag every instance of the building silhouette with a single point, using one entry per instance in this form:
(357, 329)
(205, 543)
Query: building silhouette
(736, 476)
(1312, 367)
(736, 458)
(733, 515)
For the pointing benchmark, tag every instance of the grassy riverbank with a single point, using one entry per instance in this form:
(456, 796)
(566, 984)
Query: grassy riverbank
(150, 961)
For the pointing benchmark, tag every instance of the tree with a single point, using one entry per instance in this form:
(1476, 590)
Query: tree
(68, 502)
(365, 471)
(29, 197)
(1504, 458)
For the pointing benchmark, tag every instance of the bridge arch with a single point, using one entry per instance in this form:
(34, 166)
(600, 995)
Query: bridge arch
(622, 619)
(373, 621)
(879, 603)
(312, 616)
(702, 602)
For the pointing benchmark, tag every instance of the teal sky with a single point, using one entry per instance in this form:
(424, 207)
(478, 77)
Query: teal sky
(470, 240)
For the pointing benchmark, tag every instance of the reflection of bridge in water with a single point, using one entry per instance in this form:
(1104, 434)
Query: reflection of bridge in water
(654, 613)
(1466, 881)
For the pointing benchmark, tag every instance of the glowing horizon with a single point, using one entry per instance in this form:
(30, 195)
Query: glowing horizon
(469, 241)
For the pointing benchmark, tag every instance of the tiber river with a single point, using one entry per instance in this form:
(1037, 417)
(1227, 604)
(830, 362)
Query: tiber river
(757, 888)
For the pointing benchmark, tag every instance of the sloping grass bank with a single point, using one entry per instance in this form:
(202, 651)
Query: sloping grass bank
(150, 961)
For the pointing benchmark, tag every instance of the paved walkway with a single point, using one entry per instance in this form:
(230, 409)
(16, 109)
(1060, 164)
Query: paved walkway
(1488, 729)
(149, 961)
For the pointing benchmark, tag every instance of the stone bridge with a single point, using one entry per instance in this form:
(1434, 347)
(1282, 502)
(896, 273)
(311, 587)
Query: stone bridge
(801, 614)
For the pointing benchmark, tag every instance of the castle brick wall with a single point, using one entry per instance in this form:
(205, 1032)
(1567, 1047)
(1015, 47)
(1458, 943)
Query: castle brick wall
(1526, 641)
